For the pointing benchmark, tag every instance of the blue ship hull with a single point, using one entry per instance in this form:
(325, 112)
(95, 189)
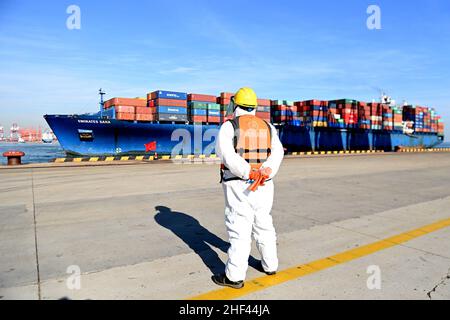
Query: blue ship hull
(92, 135)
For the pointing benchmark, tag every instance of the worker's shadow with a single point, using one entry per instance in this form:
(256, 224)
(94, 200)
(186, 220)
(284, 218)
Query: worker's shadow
(197, 237)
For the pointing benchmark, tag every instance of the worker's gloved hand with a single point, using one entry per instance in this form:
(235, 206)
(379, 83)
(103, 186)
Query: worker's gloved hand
(254, 175)
(266, 172)
(260, 178)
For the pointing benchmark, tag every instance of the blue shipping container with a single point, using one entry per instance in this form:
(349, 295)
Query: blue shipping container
(198, 112)
(171, 95)
(213, 113)
(171, 110)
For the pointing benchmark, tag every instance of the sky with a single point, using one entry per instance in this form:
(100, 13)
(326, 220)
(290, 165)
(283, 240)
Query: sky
(294, 50)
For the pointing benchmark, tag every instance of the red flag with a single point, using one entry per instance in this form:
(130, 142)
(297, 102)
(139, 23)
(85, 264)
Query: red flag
(151, 146)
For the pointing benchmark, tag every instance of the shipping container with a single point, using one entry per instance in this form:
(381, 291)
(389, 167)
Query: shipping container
(128, 102)
(125, 116)
(125, 109)
(145, 110)
(172, 117)
(145, 117)
(202, 98)
(161, 94)
(168, 102)
(172, 110)
(198, 112)
(199, 119)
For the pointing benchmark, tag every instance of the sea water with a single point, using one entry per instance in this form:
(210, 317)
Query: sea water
(34, 152)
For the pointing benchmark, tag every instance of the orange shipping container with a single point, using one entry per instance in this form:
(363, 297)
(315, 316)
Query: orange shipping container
(125, 102)
(201, 97)
(125, 109)
(214, 119)
(125, 116)
(144, 110)
(171, 103)
(145, 117)
(198, 119)
(226, 95)
(223, 101)
(264, 102)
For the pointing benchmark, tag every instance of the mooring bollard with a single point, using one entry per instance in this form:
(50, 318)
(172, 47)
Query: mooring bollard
(14, 157)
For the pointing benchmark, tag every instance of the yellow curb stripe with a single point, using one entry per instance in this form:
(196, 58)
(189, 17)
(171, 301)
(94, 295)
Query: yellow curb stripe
(319, 265)
(109, 159)
(165, 158)
(124, 158)
(60, 160)
(140, 158)
(78, 160)
(94, 159)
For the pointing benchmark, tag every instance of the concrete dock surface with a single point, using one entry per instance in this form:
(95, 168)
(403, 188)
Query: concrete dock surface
(156, 231)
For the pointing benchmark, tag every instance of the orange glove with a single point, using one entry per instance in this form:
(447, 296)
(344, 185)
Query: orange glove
(260, 180)
(254, 175)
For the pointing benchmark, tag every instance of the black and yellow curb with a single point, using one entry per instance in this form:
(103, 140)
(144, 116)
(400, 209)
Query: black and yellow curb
(418, 150)
(318, 153)
(132, 158)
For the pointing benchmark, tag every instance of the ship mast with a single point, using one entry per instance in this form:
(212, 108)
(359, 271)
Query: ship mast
(101, 93)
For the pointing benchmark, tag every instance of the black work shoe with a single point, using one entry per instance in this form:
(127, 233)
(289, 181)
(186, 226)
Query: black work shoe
(222, 280)
(271, 273)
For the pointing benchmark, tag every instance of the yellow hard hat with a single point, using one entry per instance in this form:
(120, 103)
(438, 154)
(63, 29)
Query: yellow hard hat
(246, 97)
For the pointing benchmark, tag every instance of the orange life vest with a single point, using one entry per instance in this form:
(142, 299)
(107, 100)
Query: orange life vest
(252, 140)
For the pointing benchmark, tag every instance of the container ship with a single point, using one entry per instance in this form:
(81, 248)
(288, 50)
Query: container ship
(177, 123)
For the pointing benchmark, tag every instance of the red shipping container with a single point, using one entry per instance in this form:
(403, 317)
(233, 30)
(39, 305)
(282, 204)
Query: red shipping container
(171, 103)
(223, 101)
(226, 95)
(125, 102)
(145, 110)
(125, 116)
(285, 108)
(214, 119)
(202, 98)
(264, 102)
(125, 109)
(199, 119)
(315, 103)
(145, 117)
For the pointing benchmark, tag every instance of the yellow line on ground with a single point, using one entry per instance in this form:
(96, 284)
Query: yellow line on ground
(94, 159)
(124, 158)
(60, 160)
(77, 159)
(140, 158)
(109, 159)
(319, 265)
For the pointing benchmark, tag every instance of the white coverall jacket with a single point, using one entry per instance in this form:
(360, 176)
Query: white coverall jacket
(248, 213)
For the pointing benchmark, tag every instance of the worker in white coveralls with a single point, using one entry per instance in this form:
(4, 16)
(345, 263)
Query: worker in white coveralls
(251, 154)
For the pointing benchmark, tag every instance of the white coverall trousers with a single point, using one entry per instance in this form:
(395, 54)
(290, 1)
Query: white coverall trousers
(247, 214)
